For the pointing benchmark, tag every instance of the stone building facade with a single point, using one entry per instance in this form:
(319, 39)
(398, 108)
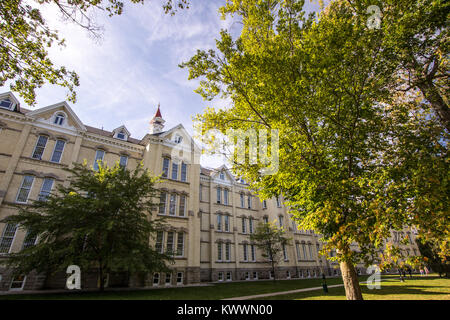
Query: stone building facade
(211, 214)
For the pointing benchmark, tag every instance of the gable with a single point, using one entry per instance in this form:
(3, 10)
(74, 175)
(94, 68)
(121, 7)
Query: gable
(51, 117)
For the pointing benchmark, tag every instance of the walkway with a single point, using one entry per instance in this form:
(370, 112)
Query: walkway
(280, 293)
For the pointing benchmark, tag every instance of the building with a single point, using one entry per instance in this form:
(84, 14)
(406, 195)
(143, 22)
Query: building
(211, 214)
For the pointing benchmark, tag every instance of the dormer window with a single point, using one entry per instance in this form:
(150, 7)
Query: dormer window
(121, 135)
(222, 175)
(59, 119)
(6, 104)
(178, 139)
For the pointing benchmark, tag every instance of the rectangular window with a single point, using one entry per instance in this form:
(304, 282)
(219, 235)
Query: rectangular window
(255, 275)
(297, 248)
(168, 279)
(219, 222)
(174, 171)
(247, 275)
(249, 202)
(46, 189)
(244, 225)
(266, 219)
(227, 251)
(310, 252)
(264, 204)
(170, 242)
(182, 211)
(58, 151)
(304, 251)
(18, 282)
(229, 278)
(278, 202)
(281, 221)
(285, 254)
(253, 252)
(165, 170)
(40, 147)
(155, 279)
(220, 276)
(162, 203)
(244, 247)
(227, 223)
(242, 200)
(25, 189)
(250, 225)
(219, 251)
(200, 193)
(159, 242)
(30, 239)
(123, 161)
(184, 172)
(219, 195)
(180, 244)
(180, 278)
(99, 155)
(225, 196)
(7, 237)
(172, 205)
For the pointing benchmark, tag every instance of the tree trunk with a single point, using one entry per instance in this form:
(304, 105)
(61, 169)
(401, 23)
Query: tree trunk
(101, 278)
(350, 279)
(437, 103)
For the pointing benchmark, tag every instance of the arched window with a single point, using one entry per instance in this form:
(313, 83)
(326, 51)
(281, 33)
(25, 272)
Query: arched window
(59, 119)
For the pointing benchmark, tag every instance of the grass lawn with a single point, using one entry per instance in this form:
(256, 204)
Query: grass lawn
(418, 288)
(212, 292)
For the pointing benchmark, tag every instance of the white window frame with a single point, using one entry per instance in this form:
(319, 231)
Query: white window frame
(166, 174)
(219, 195)
(227, 251)
(182, 209)
(156, 275)
(59, 118)
(173, 204)
(13, 237)
(96, 158)
(43, 147)
(62, 151)
(245, 251)
(162, 204)
(229, 276)
(175, 171)
(18, 289)
(40, 196)
(29, 190)
(184, 168)
(178, 253)
(255, 275)
(180, 283)
(123, 156)
(220, 276)
(168, 276)
(225, 196)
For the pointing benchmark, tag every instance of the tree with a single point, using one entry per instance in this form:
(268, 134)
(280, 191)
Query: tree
(102, 220)
(431, 251)
(325, 85)
(271, 240)
(25, 38)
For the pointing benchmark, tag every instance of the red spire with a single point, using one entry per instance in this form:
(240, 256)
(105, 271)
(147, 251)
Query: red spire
(158, 113)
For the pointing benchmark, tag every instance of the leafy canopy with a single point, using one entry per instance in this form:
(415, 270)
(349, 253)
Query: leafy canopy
(102, 221)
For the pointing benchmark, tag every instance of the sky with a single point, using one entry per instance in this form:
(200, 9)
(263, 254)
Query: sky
(134, 66)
